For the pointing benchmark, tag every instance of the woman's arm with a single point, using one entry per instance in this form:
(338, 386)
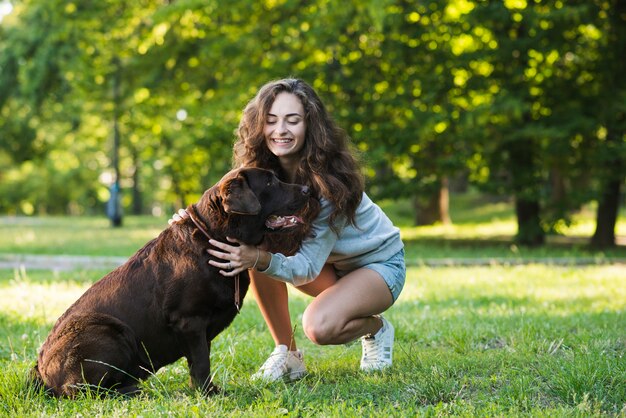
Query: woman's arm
(301, 268)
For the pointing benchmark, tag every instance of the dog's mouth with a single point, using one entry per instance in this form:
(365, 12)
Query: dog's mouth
(281, 222)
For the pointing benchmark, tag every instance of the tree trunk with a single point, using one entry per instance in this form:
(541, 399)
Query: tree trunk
(115, 212)
(558, 190)
(608, 204)
(136, 192)
(436, 208)
(529, 231)
(606, 217)
(527, 207)
(444, 202)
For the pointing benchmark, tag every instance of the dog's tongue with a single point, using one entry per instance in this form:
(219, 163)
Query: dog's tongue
(276, 222)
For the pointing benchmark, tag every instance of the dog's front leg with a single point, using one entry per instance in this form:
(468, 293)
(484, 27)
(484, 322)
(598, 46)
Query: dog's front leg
(199, 361)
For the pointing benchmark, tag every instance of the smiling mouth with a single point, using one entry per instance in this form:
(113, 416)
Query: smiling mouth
(278, 222)
(282, 140)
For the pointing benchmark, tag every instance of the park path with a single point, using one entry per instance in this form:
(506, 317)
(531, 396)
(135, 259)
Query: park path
(71, 262)
(59, 262)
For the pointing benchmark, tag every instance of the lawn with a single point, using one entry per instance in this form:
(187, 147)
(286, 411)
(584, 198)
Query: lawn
(481, 230)
(490, 341)
(497, 340)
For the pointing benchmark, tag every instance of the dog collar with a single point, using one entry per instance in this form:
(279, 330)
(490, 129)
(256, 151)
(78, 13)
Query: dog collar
(206, 234)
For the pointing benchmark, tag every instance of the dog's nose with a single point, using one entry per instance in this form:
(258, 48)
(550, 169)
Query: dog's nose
(305, 190)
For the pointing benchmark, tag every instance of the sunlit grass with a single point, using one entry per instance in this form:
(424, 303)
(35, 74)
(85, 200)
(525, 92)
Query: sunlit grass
(485, 229)
(496, 340)
(77, 235)
(42, 296)
(529, 340)
(502, 229)
(481, 228)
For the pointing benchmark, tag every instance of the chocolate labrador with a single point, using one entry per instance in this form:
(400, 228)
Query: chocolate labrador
(166, 301)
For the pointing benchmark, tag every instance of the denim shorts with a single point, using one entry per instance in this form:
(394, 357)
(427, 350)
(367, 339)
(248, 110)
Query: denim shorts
(393, 271)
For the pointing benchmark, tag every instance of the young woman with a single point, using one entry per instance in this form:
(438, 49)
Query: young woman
(353, 264)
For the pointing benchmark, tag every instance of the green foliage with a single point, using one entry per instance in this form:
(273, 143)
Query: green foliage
(525, 99)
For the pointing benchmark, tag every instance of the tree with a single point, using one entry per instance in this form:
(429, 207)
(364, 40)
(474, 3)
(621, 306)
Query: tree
(523, 98)
(539, 120)
(611, 112)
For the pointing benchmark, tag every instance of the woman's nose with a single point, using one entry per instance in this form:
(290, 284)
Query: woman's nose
(282, 127)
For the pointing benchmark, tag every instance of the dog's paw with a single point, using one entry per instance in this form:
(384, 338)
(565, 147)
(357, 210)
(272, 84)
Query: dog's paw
(212, 390)
(129, 391)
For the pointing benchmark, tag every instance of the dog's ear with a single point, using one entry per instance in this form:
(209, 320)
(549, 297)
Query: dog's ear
(237, 197)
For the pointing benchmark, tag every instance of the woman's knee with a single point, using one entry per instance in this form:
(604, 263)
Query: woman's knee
(317, 328)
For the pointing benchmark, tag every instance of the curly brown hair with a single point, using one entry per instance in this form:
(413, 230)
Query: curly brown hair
(329, 165)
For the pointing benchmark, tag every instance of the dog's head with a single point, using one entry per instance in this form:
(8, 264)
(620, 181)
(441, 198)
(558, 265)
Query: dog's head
(253, 202)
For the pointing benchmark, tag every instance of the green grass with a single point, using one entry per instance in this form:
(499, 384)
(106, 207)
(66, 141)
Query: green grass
(485, 229)
(481, 229)
(487, 341)
(500, 340)
(77, 235)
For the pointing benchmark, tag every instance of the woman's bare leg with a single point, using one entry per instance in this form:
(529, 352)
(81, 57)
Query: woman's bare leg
(344, 311)
(272, 297)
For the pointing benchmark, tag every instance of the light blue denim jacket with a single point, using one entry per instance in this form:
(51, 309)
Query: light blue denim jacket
(374, 239)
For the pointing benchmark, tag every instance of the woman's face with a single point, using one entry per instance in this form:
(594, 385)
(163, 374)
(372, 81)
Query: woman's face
(285, 127)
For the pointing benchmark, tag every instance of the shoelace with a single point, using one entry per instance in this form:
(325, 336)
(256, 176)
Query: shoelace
(374, 350)
(370, 349)
(276, 362)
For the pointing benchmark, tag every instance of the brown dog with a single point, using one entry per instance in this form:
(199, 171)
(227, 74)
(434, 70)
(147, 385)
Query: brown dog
(166, 301)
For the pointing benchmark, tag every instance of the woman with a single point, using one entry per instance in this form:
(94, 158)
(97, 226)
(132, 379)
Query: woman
(353, 264)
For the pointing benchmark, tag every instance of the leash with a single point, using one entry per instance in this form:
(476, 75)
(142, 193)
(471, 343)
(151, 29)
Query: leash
(206, 234)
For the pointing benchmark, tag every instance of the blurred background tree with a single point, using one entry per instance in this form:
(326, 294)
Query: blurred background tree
(522, 99)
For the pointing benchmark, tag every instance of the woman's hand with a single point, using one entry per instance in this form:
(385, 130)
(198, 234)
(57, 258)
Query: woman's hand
(182, 213)
(237, 259)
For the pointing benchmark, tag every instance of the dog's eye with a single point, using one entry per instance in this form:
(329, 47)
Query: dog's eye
(269, 183)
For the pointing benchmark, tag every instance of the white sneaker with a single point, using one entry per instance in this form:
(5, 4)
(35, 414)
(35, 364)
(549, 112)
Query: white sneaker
(377, 349)
(282, 364)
